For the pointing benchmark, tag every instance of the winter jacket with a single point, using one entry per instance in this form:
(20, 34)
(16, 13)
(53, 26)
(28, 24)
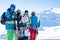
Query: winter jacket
(19, 17)
(26, 20)
(34, 23)
(10, 22)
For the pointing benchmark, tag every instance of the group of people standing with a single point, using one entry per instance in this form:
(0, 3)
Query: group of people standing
(14, 19)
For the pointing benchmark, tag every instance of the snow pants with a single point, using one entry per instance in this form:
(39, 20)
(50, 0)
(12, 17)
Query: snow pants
(32, 34)
(10, 34)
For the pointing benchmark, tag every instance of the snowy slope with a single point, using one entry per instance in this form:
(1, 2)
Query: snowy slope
(2, 32)
(47, 33)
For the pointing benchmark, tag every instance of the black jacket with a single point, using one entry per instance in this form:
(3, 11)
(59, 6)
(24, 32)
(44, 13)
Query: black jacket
(19, 17)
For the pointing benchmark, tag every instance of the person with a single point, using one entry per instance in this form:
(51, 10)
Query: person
(19, 17)
(33, 25)
(17, 28)
(10, 15)
(26, 19)
(23, 25)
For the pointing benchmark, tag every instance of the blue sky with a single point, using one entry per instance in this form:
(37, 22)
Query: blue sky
(31, 5)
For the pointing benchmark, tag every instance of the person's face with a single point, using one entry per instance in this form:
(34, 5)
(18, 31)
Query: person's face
(18, 12)
(12, 9)
(26, 12)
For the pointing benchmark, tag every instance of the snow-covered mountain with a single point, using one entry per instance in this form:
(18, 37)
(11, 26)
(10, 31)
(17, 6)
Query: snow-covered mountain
(49, 18)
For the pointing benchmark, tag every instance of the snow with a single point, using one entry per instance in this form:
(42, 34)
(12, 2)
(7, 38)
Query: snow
(47, 33)
(2, 32)
(2, 29)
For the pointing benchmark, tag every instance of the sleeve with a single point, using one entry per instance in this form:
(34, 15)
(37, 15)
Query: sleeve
(14, 16)
(20, 17)
(29, 20)
(7, 14)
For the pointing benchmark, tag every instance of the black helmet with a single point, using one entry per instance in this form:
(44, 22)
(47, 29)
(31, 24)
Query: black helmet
(26, 11)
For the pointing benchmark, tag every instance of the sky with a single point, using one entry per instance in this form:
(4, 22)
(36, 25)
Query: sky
(31, 5)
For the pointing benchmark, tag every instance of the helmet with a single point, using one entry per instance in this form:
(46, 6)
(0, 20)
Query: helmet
(12, 6)
(26, 12)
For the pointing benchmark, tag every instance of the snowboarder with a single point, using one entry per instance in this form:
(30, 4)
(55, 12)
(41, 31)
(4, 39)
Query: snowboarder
(33, 26)
(10, 21)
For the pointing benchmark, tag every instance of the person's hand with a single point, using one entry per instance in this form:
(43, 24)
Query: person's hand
(27, 28)
(37, 26)
(37, 32)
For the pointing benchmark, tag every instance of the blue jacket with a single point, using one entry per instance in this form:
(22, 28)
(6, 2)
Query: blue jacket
(34, 20)
(10, 23)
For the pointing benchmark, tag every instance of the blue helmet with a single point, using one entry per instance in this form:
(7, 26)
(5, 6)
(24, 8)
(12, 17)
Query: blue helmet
(12, 6)
(26, 12)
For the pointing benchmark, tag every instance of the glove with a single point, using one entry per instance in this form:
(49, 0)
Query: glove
(37, 32)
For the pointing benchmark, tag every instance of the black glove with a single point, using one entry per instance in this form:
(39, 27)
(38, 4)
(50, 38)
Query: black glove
(37, 32)
(37, 26)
